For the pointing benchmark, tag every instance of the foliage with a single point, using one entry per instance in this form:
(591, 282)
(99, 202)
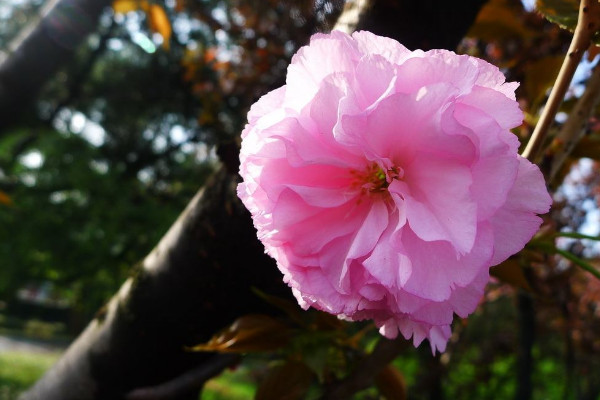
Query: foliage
(77, 210)
(562, 12)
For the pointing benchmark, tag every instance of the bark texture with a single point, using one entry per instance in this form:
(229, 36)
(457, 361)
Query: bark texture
(199, 278)
(422, 24)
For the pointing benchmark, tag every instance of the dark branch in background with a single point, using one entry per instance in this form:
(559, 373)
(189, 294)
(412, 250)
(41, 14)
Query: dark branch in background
(41, 52)
(576, 125)
(422, 24)
(525, 365)
(19, 148)
(188, 382)
(77, 79)
(588, 24)
(364, 374)
(569, 349)
(198, 279)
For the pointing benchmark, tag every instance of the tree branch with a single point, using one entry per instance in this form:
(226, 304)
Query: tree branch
(587, 25)
(350, 17)
(364, 374)
(575, 127)
(190, 381)
(526, 331)
(41, 50)
(77, 79)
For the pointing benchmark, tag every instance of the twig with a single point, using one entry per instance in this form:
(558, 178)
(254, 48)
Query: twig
(552, 249)
(575, 235)
(185, 383)
(587, 25)
(579, 262)
(363, 376)
(78, 78)
(24, 33)
(526, 334)
(348, 20)
(575, 127)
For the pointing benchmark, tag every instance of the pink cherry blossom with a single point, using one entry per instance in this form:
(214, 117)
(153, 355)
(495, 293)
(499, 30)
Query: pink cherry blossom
(385, 182)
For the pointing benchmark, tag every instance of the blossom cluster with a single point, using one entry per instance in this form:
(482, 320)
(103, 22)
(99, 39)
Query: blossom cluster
(385, 182)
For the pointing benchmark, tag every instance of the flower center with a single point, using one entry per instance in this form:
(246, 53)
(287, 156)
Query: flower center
(376, 178)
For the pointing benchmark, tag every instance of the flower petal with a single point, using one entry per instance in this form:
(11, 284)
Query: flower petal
(515, 223)
(439, 205)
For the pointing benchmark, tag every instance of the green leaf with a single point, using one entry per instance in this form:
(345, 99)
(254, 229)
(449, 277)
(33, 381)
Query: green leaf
(561, 12)
(575, 235)
(551, 248)
(581, 263)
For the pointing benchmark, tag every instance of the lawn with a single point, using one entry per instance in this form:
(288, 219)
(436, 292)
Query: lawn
(19, 370)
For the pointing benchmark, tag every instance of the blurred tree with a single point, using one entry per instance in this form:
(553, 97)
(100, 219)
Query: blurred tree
(40, 48)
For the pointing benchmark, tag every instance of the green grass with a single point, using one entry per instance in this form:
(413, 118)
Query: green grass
(19, 370)
(230, 385)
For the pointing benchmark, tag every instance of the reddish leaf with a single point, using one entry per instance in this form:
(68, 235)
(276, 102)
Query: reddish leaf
(499, 20)
(159, 22)
(291, 309)
(512, 273)
(289, 381)
(125, 6)
(587, 147)
(540, 76)
(593, 51)
(390, 383)
(250, 333)
(327, 322)
(5, 199)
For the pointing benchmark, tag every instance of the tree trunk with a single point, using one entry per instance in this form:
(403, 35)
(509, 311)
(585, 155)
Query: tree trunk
(195, 282)
(37, 53)
(421, 24)
(199, 278)
(526, 341)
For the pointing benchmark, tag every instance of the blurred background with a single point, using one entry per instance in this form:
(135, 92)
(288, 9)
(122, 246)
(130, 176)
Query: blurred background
(96, 169)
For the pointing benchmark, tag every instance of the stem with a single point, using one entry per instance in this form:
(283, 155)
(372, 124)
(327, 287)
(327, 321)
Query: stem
(552, 249)
(353, 10)
(575, 235)
(587, 25)
(189, 382)
(385, 352)
(579, 262)
(575, 127)
(525, 364)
